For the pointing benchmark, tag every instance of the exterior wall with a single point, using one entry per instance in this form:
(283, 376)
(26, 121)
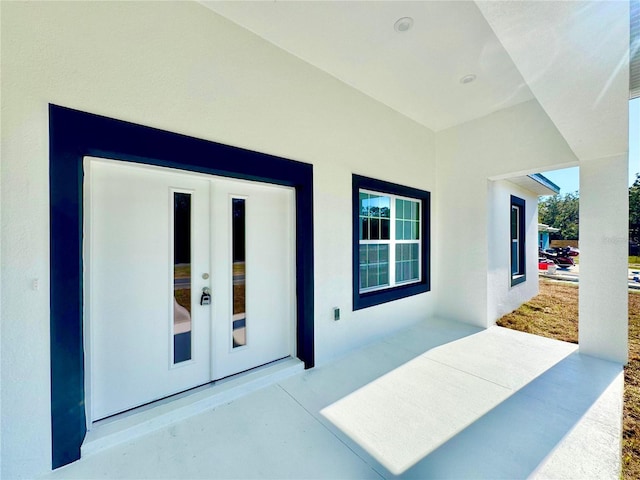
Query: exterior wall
(516, 141)
(501, 296)
(179, 67)
(604, 241)
(543, 240)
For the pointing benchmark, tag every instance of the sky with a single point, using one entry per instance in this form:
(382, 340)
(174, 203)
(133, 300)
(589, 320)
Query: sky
(568, 179)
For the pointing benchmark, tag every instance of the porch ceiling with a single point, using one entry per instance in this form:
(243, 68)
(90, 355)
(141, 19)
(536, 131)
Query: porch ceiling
(416, 72)
(571, 56)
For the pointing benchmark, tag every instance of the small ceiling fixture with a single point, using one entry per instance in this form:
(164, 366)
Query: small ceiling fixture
(468, 78)
(403, 24)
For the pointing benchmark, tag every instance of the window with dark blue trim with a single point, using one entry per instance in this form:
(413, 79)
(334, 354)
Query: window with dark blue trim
(518, 244)
(391, 241)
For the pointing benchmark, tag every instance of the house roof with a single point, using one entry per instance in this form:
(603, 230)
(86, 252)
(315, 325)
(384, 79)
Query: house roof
(542, 227)
(537, 183)
(570, 56)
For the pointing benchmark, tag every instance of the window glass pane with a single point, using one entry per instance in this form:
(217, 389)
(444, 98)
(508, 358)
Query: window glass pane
(514, 222)
(407, 262)
(364, 204)
(415, 211)
(363, 254)
(375, 229)
(408, 230)
(363, 277)
(398, 212)
(385, 233)
(514, 257)
(406, 270)
(399, 230)
(384, 274)
(372, 277)
(238, 276)
(374, 206)
(181, 277)
(383, 253)
(373, 254)
(374, 265)
(399, 262)
(364, 228)
(385, 207)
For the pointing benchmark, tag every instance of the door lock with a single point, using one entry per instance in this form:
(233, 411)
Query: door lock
(205, 299)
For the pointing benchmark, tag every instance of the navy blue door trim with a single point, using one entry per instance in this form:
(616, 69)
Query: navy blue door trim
(73, 135)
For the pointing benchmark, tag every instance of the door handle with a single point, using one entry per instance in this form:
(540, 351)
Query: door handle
(205, 298)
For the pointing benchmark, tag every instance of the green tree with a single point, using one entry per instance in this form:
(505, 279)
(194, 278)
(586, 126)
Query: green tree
(561, 211)
(634, 210)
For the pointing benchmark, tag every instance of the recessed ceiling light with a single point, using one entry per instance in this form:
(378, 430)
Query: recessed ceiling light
(403, 24)
(468, 79)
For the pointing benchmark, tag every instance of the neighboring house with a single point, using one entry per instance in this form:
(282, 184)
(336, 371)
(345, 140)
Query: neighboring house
(543, 235)
(385, 182)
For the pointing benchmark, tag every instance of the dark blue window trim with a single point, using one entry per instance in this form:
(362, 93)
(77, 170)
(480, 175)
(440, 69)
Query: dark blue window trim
(73, 135)
(522, 249)
(369, 299)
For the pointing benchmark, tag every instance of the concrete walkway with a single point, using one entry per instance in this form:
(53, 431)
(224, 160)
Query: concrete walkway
(572, 274)
(440, 400)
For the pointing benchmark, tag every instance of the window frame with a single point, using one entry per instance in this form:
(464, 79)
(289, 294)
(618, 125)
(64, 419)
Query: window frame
(385, 294)
(520, 276)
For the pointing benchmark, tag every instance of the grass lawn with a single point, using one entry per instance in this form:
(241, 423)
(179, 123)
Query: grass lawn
(554, 313)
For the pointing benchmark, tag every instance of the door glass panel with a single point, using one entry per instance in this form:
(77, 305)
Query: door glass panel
(239, 319)
(181, 277)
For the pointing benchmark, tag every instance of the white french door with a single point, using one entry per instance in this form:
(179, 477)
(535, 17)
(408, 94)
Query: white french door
(256, 277)
(156, 240)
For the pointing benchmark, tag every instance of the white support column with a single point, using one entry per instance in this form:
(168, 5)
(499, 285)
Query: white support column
(604, 234)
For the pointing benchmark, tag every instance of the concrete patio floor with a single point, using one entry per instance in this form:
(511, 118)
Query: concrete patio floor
(439, 400)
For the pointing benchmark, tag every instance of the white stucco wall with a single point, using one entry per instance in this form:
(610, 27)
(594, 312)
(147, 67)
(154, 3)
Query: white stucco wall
(519, 140)
(604, 237)
(179, 67)
(501, 296)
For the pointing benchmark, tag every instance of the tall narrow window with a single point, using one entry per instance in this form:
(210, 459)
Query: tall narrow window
(391, 234)
(181, 277)
(518, 248)
(239, 319)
